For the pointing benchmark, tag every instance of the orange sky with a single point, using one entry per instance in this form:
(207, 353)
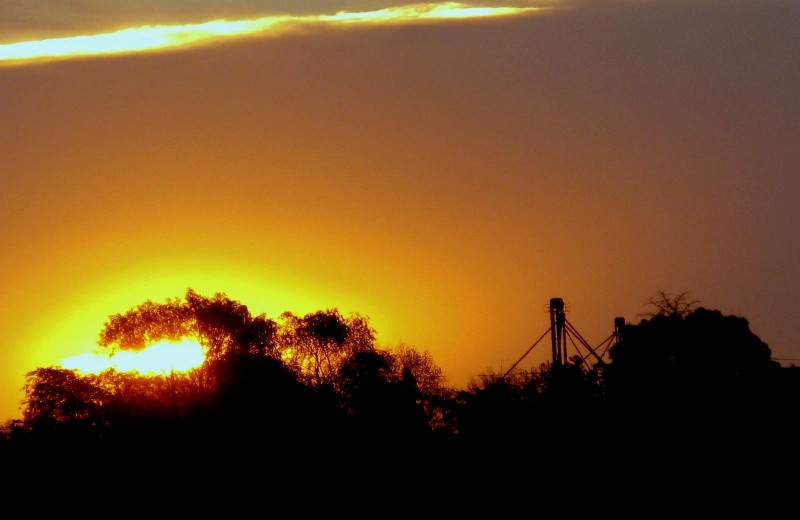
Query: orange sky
(445, 179)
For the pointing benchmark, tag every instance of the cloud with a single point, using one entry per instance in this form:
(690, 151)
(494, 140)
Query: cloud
(45, 19)
(161, 36)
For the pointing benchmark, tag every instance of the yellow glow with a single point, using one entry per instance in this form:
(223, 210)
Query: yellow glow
(159, 358)
(159, 37)
(423, 11)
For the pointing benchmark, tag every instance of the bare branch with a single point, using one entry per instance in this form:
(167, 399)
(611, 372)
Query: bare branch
(664, 304)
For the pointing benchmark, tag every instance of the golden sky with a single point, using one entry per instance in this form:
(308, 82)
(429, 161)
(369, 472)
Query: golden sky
(443, 175)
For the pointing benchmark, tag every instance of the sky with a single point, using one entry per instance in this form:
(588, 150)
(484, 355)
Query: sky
(442, 169)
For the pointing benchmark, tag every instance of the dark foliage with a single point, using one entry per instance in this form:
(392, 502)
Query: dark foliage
(315, 390)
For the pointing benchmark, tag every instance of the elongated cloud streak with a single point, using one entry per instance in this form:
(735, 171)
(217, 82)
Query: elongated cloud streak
(164, 37)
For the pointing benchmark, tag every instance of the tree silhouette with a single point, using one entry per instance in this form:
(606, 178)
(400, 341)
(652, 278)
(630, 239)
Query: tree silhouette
(409, 363)
(319, 343)
(258, 399)
(380, 404)
(429, 377)
(495, 412)
(61, 405)
(698, 369)
(315, 375)
(317, 384)
(220, 324)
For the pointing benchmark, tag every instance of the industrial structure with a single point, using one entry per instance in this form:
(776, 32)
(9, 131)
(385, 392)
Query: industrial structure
(567, 342)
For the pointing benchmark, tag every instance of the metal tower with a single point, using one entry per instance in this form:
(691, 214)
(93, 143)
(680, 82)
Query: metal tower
(557, 336)
(562, 333)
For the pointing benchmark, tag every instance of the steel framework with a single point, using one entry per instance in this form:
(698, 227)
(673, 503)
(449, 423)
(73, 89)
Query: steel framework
(563, 335)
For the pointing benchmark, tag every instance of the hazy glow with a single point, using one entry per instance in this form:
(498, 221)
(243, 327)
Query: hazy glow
(162, 357)
(160, 37)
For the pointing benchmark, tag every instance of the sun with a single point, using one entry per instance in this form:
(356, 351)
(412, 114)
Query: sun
(160, 358)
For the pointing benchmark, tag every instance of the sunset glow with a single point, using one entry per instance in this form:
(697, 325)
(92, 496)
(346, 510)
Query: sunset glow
(444, 168)
(161, 37)
(159, 358)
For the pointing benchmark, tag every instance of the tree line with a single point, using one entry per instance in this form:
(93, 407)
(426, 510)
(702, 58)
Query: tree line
(682, 375)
